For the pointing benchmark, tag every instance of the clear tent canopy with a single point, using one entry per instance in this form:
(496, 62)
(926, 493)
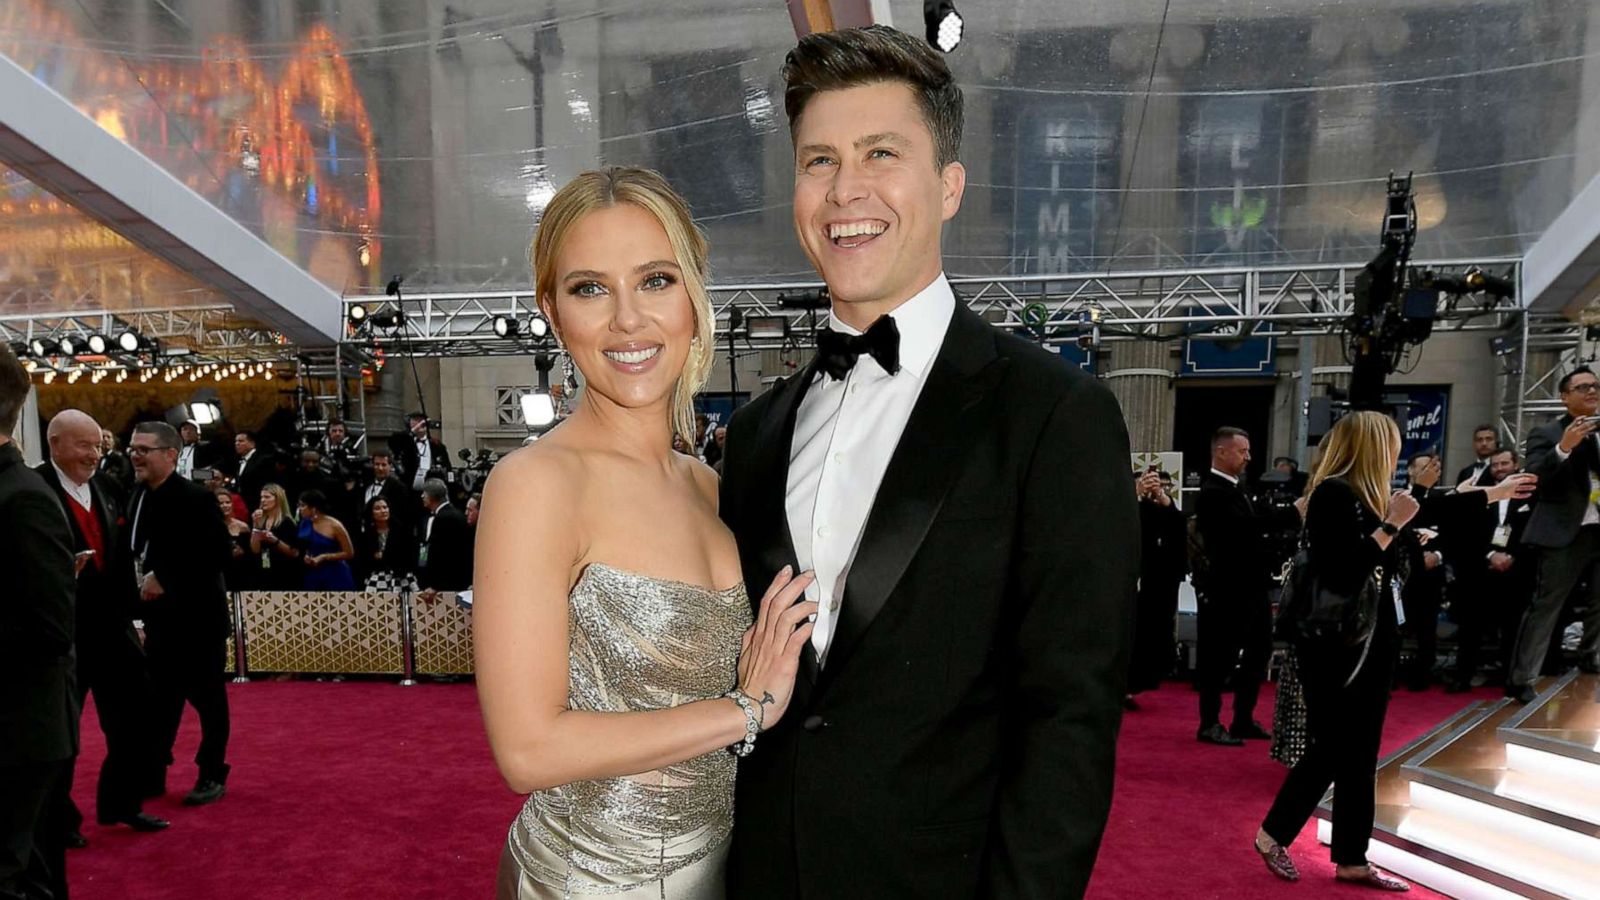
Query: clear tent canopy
(366, 138)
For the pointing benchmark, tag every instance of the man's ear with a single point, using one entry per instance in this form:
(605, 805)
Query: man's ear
(954, 180)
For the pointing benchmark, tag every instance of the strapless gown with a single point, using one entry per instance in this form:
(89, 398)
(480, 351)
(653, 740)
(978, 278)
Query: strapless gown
(637, 643)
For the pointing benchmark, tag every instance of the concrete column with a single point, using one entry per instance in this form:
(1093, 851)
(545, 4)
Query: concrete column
(1140, 375)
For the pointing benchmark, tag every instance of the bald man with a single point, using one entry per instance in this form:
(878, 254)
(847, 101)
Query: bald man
(111, 663)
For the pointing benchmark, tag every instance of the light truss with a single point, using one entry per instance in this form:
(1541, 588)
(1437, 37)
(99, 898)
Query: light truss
(209, 333)
(1217, 304)
(1537, 354)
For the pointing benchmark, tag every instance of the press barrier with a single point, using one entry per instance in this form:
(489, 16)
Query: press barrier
(349, 633)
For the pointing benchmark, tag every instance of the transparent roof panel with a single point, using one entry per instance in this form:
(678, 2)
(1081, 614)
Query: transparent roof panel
(365, 138)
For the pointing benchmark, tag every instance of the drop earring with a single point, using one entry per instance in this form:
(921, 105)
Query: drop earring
(569, 375)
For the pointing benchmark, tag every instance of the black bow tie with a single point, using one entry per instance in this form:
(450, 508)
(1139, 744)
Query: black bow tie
(837, 352)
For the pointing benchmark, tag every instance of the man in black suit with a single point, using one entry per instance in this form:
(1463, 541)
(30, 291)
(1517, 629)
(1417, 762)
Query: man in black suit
(38, 701)
(180, 549)
(1494, 578)
(418, 452)
(1485, 443)
(384, 483)
(445, 561)
(256, 467)
(114, 465)
(963, 498)
(1234, 619)
(1163, 561)
(111, 661)
(193, 454)
(1424, 591)
(1566, 527)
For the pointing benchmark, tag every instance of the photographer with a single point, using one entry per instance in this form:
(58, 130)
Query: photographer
(338, 446)
(418, 452)
(1163, 562)
(1235, 611)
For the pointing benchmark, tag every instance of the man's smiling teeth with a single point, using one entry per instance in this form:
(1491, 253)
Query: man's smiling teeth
(632, 357)
(853, 229)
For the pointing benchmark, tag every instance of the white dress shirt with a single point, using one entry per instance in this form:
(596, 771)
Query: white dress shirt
(1224, 476)
(1591, 513)
(186, 460)
(844, 436)
(78, 492)
(424, 462)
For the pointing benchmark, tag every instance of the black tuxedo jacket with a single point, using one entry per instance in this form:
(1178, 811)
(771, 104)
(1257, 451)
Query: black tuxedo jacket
(961, 739)
(38, 700)
(1234, 532)
(106, 592)
(1474, 553)
(179, 532)
(448, 550)
(1484, 479)
(404, 447)
(1563, 484)
(1164, 545)
(250, 477)
(117, 467)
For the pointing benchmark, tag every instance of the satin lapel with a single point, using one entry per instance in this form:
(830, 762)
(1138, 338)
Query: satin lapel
(948, 417)
(770, 480)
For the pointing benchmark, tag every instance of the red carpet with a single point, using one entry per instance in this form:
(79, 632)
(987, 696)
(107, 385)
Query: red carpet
(370, 790)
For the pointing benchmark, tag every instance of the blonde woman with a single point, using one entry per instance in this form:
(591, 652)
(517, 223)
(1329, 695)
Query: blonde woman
(1354, 526)
(609, 607)
(275, 542)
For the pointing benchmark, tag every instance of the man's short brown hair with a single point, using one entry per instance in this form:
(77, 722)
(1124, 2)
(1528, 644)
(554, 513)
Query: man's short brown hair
(852, 57)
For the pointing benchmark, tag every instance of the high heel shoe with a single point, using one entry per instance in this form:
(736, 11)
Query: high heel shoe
(1278, 861)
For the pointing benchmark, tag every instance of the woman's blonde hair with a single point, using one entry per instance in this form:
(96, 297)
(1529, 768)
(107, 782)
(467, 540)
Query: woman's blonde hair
(646, 189)
(282, 506)
(1362, 448)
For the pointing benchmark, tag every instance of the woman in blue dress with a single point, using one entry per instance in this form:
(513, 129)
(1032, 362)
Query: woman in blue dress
(326, 546)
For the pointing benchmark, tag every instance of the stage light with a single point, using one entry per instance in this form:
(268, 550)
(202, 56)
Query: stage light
(72, 377)
(67, 346)
(538, 409)
(1493, 285)
(389, 318)
(357, 313)
(538, 327)
(767, 327)
(98, 344)
(20, 349)
(39, 347)
(49, 375)
(205, 412)
(944, 24)
(506, 326)
(129, 341)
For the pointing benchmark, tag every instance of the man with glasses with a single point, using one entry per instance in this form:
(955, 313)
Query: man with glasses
(1566, 524)
(180, 548)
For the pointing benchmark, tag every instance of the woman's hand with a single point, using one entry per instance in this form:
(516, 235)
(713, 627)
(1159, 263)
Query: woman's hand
(769, 659)
(1428, 474)
(1402, 507)
(1514, 487)
(313, 561)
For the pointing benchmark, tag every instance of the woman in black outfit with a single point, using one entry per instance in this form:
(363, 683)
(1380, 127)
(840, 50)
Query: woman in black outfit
(386, 555)
(1352, 523)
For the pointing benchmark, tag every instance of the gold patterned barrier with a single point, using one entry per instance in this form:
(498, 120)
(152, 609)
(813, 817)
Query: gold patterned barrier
(442, 631)
(322, 631)
(231, 668)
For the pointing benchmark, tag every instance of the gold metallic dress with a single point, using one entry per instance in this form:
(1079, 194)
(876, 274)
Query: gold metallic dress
(637, 643)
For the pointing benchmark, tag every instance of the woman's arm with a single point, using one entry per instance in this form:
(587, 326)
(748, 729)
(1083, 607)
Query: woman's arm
(520, 623)
(346, 551)
(1341, 548)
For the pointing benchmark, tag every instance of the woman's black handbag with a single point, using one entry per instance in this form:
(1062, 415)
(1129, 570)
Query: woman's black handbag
(1311, 611)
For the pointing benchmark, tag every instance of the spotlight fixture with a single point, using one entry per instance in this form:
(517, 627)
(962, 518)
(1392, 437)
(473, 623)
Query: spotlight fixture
(67, 346)
(506, 326)
(357, 313)
(538, 327)
(945, 25)
(39, 347)
(20, 349)
(538, 409)
(98, 344)
(129, 341)
(767, 327)
(389, 318)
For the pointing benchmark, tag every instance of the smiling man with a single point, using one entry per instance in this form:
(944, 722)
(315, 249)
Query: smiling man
(962, 497)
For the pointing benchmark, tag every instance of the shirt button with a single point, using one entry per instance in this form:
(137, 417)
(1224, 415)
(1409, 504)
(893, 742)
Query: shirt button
(822, 531)
(833, 605)
(838, 458)
(854, 388)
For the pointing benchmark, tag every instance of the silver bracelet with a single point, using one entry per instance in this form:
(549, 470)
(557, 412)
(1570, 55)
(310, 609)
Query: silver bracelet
(752, 725)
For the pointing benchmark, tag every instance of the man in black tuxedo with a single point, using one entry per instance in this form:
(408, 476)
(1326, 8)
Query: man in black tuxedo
(1234, 619)
(418, 452)
(180, 549)
(114, 465)
(192, 453)
(1485, 444)
(1163, 561)
(256, 467)
(386, 484)
(963, 498)
(111, 661)
(1424, 591)
(445, 561)
(1494, 578)
(1566, 527)
(38, 701)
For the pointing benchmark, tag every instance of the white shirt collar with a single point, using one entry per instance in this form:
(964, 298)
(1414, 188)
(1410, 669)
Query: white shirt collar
(78, 492)
(922, 322)
(1224, 475)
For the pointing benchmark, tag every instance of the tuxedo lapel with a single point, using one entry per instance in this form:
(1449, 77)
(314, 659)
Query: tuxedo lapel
(948, 417)
(770, 481)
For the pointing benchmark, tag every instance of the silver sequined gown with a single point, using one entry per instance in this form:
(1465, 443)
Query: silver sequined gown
(637, 643)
